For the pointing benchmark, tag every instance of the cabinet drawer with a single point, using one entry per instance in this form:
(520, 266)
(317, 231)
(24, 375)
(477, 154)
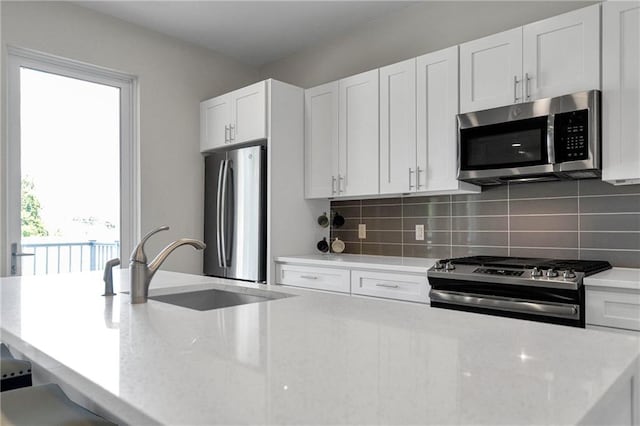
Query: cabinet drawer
(332, 279)
(413, 288)
(618, 308)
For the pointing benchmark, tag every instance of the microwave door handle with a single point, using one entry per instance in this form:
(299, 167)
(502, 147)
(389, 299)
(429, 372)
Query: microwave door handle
(551, 151)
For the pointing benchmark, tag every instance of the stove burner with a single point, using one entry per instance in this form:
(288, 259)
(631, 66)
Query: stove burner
(589, 267)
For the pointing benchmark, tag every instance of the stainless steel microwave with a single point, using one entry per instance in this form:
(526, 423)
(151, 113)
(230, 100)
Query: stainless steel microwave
(548, 139)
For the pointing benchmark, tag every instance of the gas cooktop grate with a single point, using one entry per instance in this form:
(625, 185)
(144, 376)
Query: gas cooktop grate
(589, 267)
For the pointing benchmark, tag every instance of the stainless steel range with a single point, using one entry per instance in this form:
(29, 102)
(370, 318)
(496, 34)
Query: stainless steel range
(544, 290)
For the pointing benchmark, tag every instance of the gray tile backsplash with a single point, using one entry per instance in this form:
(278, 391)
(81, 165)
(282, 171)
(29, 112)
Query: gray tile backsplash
(586, 219)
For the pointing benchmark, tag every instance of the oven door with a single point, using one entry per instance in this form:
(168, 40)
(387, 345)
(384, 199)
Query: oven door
(551, 305)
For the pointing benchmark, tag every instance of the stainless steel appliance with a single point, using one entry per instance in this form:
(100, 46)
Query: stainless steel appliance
(544, 290)
(236, 214)
(548, 139)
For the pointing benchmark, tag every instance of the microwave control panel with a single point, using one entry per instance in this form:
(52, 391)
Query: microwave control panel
(571, 134)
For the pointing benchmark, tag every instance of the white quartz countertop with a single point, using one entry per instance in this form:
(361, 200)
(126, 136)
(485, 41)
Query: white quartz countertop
(386, 263)
(315, 358)
(627, 278)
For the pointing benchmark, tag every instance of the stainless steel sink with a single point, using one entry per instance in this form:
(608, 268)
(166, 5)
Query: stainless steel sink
(206, 300)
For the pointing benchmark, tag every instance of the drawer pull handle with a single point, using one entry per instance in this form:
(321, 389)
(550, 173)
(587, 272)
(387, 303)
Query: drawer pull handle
(309, 277)
(387, 285)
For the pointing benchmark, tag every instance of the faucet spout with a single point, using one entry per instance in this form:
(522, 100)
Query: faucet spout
(165, 252)
(141, 273)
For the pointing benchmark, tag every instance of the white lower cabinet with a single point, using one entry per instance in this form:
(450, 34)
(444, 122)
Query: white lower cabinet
(317, 278)
(412, 288)
(613, 307)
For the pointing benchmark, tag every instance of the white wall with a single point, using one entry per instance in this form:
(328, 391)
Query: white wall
(409, 32)
(173, 78)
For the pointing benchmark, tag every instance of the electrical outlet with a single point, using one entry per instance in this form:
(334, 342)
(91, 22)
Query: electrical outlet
(419, 232)
(362, 231)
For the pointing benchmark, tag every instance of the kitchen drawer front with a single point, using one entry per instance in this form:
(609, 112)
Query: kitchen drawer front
(413, 288)
(617, 308)
(331, 279)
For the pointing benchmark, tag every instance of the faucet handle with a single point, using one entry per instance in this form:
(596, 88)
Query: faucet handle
(138, 255)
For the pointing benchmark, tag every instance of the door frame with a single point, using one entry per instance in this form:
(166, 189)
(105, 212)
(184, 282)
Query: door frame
(129, 143)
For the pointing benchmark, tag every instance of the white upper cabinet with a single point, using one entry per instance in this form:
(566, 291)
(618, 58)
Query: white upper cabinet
(562, 54)
(358, 135)
(621, 92)
(437, 104)
(491, 71)
(553, 57)
(398, 127)
(235, 117)
(215, 117)
(321, 140)
(249, 113)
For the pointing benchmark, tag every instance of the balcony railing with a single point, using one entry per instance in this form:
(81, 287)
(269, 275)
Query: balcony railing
(54, 258)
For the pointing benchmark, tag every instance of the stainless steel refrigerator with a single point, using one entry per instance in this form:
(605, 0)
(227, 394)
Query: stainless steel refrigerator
(235, 214)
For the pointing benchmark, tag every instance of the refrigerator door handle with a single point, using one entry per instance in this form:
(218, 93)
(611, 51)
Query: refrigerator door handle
(218, 221)
(223, 215)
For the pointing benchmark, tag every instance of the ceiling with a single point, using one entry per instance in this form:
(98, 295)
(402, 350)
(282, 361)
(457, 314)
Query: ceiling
(252, 32)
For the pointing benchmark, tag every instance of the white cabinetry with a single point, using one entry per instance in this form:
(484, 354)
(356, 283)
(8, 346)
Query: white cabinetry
(358, 135)
(317, 278)
(553, 57)
(236, 117)
(215, 117)
(341, 137)
(621, 92)
(437, 106)
(491, 71)
(562, 54)
(365, 279)
(613, 307)
(321, 140)
(398, 128)
(413, 288)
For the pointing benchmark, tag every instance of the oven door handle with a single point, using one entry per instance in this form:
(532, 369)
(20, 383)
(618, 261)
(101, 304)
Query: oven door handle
(505, 304)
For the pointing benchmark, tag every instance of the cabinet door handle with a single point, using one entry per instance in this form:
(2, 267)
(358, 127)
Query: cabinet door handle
(418, 186)
(515, 89)
(232, 129)
(387, 285)
(226, 133)
(411, 172)
(333, 185)
(309, 277)
(527, 89)
(340, 179)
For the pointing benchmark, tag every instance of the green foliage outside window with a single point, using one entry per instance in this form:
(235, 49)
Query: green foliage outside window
(32, 225)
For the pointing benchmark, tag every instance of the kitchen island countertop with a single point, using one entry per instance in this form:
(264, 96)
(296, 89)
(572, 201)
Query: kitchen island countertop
(315, 358)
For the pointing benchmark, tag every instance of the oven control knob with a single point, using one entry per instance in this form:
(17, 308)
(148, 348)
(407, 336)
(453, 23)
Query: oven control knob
(438, 266)
(568, 274)
(449, 266)
(551, 273)
(535, 272)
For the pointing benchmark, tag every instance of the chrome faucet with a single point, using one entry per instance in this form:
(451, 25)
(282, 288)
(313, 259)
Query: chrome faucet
(141, 272)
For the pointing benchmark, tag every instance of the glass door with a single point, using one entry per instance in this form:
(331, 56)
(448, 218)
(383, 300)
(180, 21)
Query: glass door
(68, 139)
